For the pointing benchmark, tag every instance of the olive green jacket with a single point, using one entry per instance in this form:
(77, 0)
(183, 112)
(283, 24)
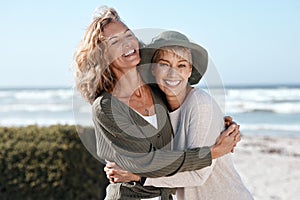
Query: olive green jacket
(124, 137)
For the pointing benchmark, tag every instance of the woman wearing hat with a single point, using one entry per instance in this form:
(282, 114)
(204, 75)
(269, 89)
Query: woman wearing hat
(131, 123)
(176, 63)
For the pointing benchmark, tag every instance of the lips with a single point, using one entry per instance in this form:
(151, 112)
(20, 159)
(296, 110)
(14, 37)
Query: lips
(172, 83)
(129, 53)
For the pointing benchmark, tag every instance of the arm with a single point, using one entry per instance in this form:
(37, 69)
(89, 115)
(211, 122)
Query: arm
(224, 143)
(204, 124)
(116, 142)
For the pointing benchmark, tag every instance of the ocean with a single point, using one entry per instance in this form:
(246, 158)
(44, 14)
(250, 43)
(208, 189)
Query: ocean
(260, 110)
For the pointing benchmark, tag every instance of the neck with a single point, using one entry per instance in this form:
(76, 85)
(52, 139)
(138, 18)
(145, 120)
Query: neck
(127, 82)
(176, 101)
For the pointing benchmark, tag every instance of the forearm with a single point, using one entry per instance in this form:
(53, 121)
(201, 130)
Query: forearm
(161, 163)
(182, 179)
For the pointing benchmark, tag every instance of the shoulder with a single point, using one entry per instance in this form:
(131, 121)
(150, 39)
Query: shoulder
(199, 100)
(102, 104)
(198, 95)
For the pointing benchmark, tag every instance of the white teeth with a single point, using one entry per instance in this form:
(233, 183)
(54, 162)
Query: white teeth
(129, 53)
(172, 83)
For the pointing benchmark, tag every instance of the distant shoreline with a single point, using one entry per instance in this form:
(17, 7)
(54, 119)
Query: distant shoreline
(226, 86)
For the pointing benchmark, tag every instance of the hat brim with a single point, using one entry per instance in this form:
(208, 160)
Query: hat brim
(199, 59)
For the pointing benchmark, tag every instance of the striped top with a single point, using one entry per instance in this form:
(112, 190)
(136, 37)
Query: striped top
(123, 136)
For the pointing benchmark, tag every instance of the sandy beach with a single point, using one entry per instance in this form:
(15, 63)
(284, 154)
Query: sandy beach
(269, 166)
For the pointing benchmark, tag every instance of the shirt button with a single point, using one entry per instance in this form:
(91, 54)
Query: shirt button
(158, 135)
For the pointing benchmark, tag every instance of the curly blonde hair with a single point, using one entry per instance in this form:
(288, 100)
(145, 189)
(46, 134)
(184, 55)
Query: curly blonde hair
(92, 72)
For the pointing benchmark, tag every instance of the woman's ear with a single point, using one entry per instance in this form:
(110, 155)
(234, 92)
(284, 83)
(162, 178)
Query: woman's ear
(152, 69)
(191, 70)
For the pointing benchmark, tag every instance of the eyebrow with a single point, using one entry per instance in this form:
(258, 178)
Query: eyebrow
(116, 36)
(183, 61)
(161, 59)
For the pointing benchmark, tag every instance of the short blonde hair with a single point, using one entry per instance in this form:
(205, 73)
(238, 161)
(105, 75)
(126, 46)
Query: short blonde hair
(92, 72)
(178, 51)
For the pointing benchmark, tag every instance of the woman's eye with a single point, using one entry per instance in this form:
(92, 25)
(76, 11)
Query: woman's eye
(114, 42)
(130, 35)
(163, 65)
(181, 66)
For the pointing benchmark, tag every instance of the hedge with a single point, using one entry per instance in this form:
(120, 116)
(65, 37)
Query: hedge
(48, 163)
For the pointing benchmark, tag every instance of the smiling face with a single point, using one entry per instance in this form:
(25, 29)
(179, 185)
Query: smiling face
(123, 47)
(172, 70)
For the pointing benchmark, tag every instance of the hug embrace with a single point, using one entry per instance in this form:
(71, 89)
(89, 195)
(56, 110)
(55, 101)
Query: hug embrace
(160, 136)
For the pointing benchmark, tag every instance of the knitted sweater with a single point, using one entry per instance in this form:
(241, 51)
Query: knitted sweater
(124, 137)
(198, 122)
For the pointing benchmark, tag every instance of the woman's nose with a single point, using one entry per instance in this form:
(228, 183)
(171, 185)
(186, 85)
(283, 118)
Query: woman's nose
(126, 44)
(172, 71)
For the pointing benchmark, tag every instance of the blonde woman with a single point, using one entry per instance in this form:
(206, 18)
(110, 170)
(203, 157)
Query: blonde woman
(131, 122)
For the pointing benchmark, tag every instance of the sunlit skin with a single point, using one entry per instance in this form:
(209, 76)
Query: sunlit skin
(123, 54)
(123, 47)
(172, 73)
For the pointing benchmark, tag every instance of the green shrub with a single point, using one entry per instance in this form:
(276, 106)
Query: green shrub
(48, 163)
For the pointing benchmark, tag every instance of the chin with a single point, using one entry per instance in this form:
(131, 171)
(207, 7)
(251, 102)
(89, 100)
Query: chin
(170, 92)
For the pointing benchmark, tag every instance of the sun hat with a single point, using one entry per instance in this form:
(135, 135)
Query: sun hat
(173, 38)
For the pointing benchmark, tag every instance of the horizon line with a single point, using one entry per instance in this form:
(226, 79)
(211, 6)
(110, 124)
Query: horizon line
(232, 85)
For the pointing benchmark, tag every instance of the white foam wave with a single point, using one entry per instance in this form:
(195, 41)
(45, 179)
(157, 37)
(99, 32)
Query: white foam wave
(35, 108)
(36, 94)
(282, 100)
(263, 95)
(250, 106)
(37, 121)
(271, 127)
(42, 95)
(44, 121)
(5, 94)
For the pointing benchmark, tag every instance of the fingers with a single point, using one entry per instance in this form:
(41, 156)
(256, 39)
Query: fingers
(237, 138)
(228, 131)
(112, 180)
(110, 164)
(236, 130)
(228, 119)
(115, 178)
(106, 169)
(111, 176)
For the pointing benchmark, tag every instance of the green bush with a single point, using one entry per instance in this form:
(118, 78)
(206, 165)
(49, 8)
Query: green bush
(48, 163)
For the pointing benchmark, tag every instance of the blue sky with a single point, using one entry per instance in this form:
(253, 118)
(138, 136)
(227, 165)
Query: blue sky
(250, 42)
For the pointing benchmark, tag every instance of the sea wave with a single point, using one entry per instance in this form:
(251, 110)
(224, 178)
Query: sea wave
(263, 110)
(276, 100)
(38, 121)
(264, 95)
(251, 106)
(35, 108)
(36, 94)
(271, 127)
